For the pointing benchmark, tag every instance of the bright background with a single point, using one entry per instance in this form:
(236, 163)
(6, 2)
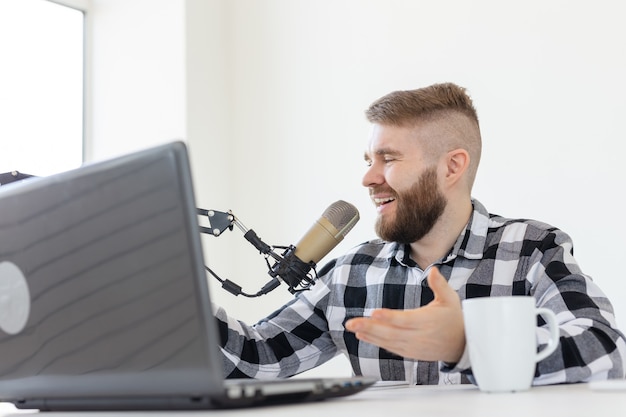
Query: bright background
(270, 94)
(41, 87)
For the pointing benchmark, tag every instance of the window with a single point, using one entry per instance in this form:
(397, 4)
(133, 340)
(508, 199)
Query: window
(41, 85)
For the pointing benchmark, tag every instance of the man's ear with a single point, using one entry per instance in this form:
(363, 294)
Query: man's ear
(457, 163)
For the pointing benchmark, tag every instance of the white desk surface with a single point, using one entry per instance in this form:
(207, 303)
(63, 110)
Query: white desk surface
(419, 401)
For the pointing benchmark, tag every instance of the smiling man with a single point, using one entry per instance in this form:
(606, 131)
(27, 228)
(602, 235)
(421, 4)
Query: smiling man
(393, 305)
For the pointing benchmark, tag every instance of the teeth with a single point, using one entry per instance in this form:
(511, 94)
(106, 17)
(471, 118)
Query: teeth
(383, 200)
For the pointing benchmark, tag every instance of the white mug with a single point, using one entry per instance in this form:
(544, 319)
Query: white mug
(501, 335)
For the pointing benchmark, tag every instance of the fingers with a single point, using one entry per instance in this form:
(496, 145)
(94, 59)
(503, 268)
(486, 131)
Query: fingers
(444, 296)
(432, 332)
(443, 293)
(369, 330)
(361, 324)
(397, 318)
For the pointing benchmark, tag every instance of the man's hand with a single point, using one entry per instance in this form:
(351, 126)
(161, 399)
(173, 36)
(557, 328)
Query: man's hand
(430, 333)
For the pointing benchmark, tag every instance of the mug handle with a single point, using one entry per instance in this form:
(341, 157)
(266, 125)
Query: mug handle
(554, 333)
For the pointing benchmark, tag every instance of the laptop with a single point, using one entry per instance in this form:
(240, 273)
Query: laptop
(104, 300)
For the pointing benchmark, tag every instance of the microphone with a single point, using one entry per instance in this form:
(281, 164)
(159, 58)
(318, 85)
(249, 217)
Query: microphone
(326, 233)
(294, 265)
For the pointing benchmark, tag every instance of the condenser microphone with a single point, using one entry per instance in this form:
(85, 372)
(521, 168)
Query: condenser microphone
(296, 265)
(297, 261)
(326, 233)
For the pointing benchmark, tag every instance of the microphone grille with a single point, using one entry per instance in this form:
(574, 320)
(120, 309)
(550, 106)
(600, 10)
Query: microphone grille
(342, 215)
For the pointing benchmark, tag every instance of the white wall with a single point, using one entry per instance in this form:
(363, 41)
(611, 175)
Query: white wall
(138, 72)
(270, 96)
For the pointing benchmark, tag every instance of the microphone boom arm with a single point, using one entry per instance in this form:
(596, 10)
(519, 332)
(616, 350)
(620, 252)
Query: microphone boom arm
(282, 270)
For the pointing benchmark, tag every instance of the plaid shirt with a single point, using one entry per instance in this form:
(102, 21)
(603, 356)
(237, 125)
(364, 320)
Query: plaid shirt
(494, 256)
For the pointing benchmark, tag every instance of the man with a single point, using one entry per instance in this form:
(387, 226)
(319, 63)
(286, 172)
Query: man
(393, 306)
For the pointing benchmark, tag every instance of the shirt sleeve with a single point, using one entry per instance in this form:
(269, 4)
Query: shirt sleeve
(590, 345)
(292, 340)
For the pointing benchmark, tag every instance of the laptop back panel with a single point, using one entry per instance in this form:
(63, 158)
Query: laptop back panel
(102, 288)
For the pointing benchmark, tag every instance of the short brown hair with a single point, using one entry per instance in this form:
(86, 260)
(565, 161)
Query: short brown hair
(404, 107)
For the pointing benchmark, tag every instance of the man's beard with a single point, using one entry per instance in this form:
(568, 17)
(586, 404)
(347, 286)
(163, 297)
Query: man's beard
(417, 211)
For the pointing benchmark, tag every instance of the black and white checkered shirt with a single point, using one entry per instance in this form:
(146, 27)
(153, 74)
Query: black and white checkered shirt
(494, 256)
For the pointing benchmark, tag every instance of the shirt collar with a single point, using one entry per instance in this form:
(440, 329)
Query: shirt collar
(471, 242)
(403, 254)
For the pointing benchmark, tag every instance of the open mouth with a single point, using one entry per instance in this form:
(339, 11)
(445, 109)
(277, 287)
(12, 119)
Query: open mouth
(380, 202)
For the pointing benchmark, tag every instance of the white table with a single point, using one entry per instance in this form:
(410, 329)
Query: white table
(422, 401)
